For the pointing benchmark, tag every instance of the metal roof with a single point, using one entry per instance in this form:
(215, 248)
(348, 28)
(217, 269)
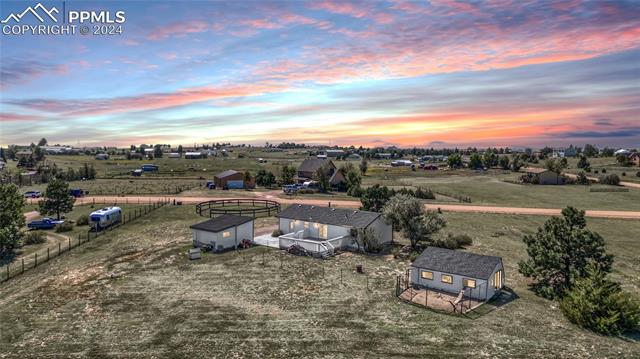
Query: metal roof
(330, 215)
(457, 262)
(226, 173)
(221, 223)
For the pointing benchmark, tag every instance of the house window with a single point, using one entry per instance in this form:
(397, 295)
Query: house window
(469, 283)
(447, 279)
(306, 225)
(426, 275)
(292, 225)
(226, 234)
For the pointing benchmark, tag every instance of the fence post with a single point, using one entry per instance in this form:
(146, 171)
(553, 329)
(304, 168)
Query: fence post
(59, 246)
(47, 254)
(69, 243)
(35, 265)
(22, 265)
(340, 276)
(8, 271)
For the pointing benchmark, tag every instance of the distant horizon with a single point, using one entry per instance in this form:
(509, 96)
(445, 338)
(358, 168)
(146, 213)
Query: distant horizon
(377, 74)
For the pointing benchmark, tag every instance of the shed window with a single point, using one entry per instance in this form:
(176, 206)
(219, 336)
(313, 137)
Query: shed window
(226, 234)
(447, 279)
(426, 275)
(470, 283)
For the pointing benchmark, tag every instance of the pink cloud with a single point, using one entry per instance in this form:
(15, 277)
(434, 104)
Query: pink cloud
(178, 29)
(14, 117)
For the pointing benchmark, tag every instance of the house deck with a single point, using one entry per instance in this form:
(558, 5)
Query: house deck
(439, 300)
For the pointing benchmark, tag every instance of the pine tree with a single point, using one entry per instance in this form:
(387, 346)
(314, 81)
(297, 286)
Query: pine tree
(57, 199)
(561, 251)
(11, 219)
(599, 304)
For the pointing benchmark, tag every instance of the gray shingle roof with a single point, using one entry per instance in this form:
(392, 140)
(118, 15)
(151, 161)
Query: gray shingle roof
(221, 223)
(330, 215)
(226, 173)
(457, 262)
(312, 164)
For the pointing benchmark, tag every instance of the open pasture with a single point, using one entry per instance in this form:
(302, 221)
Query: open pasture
(134, 291)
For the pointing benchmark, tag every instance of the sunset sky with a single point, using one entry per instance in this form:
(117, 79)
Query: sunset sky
(430, 73)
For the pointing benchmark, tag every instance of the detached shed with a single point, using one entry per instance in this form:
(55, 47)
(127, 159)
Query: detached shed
(479, 276)
(229, 179)
(223, 232)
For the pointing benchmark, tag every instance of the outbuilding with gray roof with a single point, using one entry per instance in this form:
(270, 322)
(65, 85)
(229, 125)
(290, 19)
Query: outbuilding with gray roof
(479, 276)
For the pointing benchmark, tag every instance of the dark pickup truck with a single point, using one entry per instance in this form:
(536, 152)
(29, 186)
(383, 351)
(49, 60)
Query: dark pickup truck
(45, 223)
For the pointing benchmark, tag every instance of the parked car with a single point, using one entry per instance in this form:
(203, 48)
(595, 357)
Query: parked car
(32, 194)
(76, 192)
(45, 223)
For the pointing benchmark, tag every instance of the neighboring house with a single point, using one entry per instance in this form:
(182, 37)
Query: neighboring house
(149, 168)
(384, 155)
(56, 150)
(193, 155)
(541, 176)
(231, 179)
(323, 230)
(174, 155)
(621, 151)
(135, 155)
(635, 158)
(223, 232)
(102, 156)
(565, 152)
(334, 153)
(479, 276)
(354, 157)
(308, 168)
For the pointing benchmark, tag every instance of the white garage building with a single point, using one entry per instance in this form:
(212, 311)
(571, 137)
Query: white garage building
(223, 232)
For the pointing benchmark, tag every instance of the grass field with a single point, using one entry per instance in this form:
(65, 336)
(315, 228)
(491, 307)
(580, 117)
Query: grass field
(132, 293)
(610, 165)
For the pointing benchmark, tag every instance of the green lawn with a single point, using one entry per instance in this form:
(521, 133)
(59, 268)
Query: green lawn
(490, 188)
(134, 293)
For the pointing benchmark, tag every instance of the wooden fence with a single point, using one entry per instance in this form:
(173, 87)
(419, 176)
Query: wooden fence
(33, 260)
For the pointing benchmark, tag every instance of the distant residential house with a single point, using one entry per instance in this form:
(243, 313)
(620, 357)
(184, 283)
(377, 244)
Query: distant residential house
(477, 276)
(223, 232)
(621, 151)
(56, 150)
(193, 155)
(135, 155)
(565, 152)
(149, 168)
(384, 155)
(174, 155)
(310, 166)
(354, 157)
(323, 230)
(231, 179)
(541, 176)
(334, 153)
(102, 156)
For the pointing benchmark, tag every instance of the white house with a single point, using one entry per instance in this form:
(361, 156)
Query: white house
(223, 232)
(323, 230)
(479, 276)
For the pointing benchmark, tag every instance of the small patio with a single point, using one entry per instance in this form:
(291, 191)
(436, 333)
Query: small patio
(439, 300)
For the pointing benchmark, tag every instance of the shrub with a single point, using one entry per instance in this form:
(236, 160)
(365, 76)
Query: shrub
(582, 179)
(34, 237)
(604, 170)
(82, 221)
(624, 174)
(64, 227)
(276, 233)
(611, 179)
(638, 174)
(424, 193)
(454, 241)
(596, 172)
(599, 304)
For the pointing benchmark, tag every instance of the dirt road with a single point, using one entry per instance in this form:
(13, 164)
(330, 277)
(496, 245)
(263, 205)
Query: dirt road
(355, 204)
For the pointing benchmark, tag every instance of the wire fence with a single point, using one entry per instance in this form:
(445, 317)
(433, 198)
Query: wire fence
(35, 259)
